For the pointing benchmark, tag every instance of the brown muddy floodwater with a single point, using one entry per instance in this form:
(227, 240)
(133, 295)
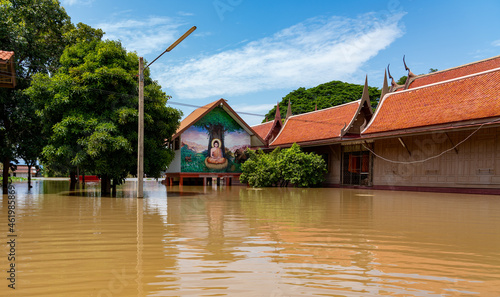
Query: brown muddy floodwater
(237, 241)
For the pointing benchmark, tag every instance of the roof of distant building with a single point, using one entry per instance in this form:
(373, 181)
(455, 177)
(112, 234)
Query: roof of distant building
(263, 129)
(317, 126)
(5, 56)
(455, 72)
(458, 100)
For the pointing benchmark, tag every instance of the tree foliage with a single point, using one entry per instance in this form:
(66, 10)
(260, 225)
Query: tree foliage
(281, 167)
(35, 30)
(402, 80)
(89, 109)
(30, 138)
(261, 169)
(323, 96)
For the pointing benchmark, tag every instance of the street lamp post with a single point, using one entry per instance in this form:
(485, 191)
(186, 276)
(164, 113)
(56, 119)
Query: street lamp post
(140, 141)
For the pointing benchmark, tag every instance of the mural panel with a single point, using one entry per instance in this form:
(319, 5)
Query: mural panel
(216, 143)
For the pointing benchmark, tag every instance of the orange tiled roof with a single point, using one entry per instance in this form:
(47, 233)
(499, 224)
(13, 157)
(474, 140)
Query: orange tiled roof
(456, 72)
(5, 56)
(263, 129)
(468, 98)
(317, 125)
(195, 115)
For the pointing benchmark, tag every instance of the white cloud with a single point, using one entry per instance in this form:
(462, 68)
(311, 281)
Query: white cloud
(186, 14)
(143, 36)
(76, 2)
(496, 43)
(306, 54)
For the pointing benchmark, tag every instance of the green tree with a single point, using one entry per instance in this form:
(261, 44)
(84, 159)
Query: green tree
(281, 167)
(301, 169)
(89, 109)
(402, 80)
(261, 169)
(34, 30)
(431, 70)
(217, 122)
(323, 96)
(30, 138)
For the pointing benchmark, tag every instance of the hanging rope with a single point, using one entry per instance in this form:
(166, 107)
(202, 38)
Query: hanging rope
(433, 157)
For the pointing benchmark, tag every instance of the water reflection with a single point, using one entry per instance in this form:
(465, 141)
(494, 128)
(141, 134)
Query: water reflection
(237, 241)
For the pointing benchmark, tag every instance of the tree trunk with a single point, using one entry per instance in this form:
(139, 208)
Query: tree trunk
(5, 175)
(29, 177)
(72, 177)
(217, 132)
(113, 188)
(77, 174)
(105, 185)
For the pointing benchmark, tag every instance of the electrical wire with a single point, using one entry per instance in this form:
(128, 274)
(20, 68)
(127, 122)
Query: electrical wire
(302, 120)
(149, 99)
(435, 156)
(178, 103)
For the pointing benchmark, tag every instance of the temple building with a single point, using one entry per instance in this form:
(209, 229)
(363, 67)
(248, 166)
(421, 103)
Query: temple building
(210, 144)
(440, 132)
(437, 132)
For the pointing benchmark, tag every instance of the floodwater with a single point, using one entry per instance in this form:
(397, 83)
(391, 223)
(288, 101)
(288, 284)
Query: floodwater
(238, 241)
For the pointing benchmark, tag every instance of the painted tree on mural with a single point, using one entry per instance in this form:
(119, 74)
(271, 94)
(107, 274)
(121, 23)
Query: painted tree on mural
(217, 122)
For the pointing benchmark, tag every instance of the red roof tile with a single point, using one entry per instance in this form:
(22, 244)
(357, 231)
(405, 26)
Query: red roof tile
(263, 129)
(317, 125)
(5, 56)
(468, 98)
(456, 72)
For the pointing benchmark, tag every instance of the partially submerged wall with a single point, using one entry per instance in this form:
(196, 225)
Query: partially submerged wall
(474, 164)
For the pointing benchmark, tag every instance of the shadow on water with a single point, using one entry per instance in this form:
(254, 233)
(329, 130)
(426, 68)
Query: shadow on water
(93, 189)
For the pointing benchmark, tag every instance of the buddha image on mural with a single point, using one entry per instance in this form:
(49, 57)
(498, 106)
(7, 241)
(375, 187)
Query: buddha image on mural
(216, 143)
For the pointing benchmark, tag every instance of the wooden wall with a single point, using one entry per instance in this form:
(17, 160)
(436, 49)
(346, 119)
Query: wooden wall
(475, 164)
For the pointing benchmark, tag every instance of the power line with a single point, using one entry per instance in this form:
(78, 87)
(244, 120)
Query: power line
(435, 156)
(301, 120)
(148, 98)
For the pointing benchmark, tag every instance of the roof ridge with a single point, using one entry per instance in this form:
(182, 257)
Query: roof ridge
(447, 81)
(454, 68)
(324, 109)
(192, 117)
(281, 130)
(204, 106)
(262, 123)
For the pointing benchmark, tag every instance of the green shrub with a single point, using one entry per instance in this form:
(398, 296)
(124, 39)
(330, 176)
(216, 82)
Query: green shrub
(281, 167)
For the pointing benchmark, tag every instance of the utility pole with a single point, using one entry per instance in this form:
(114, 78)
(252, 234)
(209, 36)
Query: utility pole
(140, 144)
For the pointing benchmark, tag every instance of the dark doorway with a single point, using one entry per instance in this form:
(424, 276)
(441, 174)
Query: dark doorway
(357, 165)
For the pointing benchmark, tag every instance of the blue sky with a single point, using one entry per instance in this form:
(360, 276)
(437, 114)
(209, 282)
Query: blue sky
(254, 52)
